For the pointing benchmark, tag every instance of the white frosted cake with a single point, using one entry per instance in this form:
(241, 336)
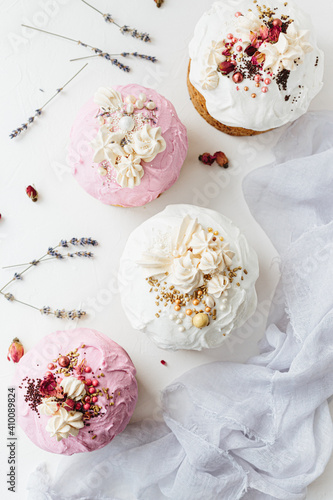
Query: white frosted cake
(254, 65)
(187, 278)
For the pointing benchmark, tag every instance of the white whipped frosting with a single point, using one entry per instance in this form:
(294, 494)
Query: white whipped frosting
(237, 108)
(141, 143)
(73, 387)
(169, 234)
(129, 171)
(148, 142)
(217, 285)
(48, 406)
(246, 24)
(288, 52)
(185, 273)
(108, 98)
(65, 423)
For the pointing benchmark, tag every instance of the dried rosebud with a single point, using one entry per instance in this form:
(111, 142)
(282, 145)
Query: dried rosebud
(49, 387)
(221, 159)
(32, 193)
(227, 67)
(207, 159)
(15, 351)
(250, 50)
(274, 33)
(69, 404)
(264, 32)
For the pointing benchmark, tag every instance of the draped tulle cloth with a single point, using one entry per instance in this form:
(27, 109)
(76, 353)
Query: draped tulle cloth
(254, 431)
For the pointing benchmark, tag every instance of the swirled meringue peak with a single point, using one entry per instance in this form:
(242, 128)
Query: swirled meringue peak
(80, 399)
(257, 65)
(127, 145)
(187, 278)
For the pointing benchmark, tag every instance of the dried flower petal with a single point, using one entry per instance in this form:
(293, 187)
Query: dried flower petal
(15, 351)
(226, 67)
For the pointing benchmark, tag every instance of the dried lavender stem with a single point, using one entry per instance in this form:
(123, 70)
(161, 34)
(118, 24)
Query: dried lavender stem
(24, 303)
(62, 88)
(92, 7)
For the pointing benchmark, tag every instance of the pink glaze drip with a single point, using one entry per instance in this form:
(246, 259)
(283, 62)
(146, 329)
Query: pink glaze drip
(100, 352)
(160, 174)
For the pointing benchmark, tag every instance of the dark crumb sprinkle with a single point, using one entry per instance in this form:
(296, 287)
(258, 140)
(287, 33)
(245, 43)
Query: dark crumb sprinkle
(287, 97)
(317, 61)
(32, 395)
(282, 79)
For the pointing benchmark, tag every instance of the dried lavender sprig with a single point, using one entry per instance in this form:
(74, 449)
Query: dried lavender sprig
(38, 111)
(123, 29)
(115, 62)
(64, 244)
(62, 313)
(140, 56)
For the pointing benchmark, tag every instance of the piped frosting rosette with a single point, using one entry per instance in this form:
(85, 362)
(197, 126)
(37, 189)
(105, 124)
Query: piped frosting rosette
(257, 64)
(187, 278)
(127, 145)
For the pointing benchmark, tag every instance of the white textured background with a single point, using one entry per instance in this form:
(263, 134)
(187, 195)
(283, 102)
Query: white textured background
(33, 61)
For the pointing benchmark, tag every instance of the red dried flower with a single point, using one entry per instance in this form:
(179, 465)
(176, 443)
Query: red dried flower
(207, 159)
(69, 404)
(49, 387)
(258, 58)
(250, 50)
(264, 31)
(32, 193)
(15, 351)
(227, 67)
(274, 33)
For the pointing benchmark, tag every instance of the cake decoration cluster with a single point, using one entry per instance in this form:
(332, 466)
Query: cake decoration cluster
(126, 136)
(191, 271)
(66, 396)
(262, 48)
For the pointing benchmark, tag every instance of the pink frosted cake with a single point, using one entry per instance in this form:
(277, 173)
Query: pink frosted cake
(127, 145)
(76, 391)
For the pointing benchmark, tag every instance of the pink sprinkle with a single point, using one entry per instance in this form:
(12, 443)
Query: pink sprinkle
(87, 369)
(78, 406)
(238, 14)
(86, 406)
(230, 36)
(234, 40)
(267, 81)
(163, 362)
(264, 90)
(91, 390)
(48, 373)
(237, 88)
(95, 382)
(257, 78)
(87, 399)
(95, 399)
(88, 381)
(50, 366)
(239, 48)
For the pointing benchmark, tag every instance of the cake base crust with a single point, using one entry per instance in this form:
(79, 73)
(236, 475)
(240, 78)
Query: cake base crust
(199, 102)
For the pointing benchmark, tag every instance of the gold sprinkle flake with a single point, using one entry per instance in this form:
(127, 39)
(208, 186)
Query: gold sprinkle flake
(94, 436)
